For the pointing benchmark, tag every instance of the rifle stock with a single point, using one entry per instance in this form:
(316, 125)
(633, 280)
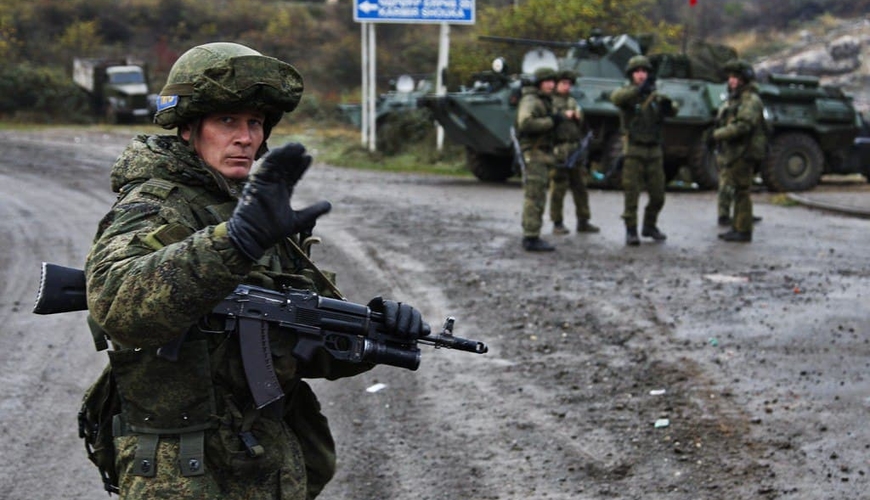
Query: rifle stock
(61, 289)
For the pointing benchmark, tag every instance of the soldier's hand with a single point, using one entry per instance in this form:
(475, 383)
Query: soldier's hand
(263, 215)
(667, 106)
(648, 86)
(400, 319)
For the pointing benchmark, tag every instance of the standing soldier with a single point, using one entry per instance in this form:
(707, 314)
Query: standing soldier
(188, 226)
(741, 143)
(536, 122)
(568, 136)
(642, 111)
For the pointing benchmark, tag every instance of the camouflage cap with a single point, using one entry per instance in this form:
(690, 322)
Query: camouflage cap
(225, 76)
(742, 69)
(543, 74)
(637, 62)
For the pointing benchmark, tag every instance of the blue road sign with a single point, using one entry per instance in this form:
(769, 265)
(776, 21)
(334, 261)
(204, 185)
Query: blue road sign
(414, 11)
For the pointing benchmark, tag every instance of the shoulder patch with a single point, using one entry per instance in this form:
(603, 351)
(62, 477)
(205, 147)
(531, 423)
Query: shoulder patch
(166, 102)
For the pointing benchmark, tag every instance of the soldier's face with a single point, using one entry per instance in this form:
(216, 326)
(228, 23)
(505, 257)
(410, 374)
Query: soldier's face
(563, 87)
(733, 82)
(228, 142)
(547, 86)
(639, 75)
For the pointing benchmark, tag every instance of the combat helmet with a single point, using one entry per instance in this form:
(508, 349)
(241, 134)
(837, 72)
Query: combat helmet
(567, 74)
(637, 62)
(543, 74)
(741, 68)
(224, 76)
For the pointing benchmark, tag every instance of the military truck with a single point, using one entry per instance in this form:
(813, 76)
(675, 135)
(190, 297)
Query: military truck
(118, 88)
(813, 128)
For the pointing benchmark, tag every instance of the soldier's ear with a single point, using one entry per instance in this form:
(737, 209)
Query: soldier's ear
(184, 131)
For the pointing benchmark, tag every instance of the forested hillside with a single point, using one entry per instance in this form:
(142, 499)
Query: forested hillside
(38, 39)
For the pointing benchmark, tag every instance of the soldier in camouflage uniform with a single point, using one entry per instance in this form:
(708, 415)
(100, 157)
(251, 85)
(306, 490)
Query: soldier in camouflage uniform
(741, 144)
(642, 111)
(189, 225)
(536, 124)
(562, 177)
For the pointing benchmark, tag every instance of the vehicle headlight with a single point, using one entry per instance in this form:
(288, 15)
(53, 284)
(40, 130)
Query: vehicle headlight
(499, 64)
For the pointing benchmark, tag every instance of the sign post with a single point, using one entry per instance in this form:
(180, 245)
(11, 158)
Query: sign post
(368, 12)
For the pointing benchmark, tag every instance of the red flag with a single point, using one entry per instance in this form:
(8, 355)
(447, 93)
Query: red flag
(692, 3)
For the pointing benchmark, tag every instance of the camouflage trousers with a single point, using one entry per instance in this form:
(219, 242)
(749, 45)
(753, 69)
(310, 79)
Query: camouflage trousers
(725, 195)
(561, 180)
(738, 176)
(286, 483)
(534, 196)
(639, 172)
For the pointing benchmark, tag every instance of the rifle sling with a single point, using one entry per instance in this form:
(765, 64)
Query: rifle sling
(257, 361)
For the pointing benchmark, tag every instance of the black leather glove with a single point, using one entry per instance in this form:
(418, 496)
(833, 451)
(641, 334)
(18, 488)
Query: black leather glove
(667, 106)
(263, 216)
(400, 319)
(647, 87)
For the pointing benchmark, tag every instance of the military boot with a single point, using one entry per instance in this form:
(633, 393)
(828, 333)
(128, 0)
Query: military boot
(583, 226)
(631, 237)
(559, 228)
(654, 233)
(536, 244)
(724, 220)
(737, 236)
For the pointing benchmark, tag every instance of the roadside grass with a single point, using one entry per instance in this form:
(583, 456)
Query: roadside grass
(341, 145)
(783, 200)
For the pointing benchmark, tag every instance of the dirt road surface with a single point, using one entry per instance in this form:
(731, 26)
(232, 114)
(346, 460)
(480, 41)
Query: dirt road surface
(687, 370)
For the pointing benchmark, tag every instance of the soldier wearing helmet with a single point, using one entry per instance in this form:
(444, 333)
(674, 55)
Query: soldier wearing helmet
(740, 142)
(188, 226)
(642, 112)
(568, 137)
(536, 123)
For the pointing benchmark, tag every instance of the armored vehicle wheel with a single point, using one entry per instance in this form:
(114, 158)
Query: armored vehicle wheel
(795, 163)
(489, 168)
(702, 164)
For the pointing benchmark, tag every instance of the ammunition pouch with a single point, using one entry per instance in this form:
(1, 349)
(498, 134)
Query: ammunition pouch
(159, 396)
(165, 398)
(235, 448)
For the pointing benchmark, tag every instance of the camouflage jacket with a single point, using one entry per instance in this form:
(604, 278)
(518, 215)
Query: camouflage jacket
(161, 260)
(568, 133)
(641, 117)
(740, 126)
(535, 124)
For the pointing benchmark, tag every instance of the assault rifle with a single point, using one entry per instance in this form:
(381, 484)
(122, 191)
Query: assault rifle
(345, 330)
(581, 154)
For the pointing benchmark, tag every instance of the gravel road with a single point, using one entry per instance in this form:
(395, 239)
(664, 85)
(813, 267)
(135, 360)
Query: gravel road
(687, 370)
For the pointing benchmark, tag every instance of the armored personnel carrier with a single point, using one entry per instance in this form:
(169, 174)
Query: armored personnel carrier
(813, 128)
